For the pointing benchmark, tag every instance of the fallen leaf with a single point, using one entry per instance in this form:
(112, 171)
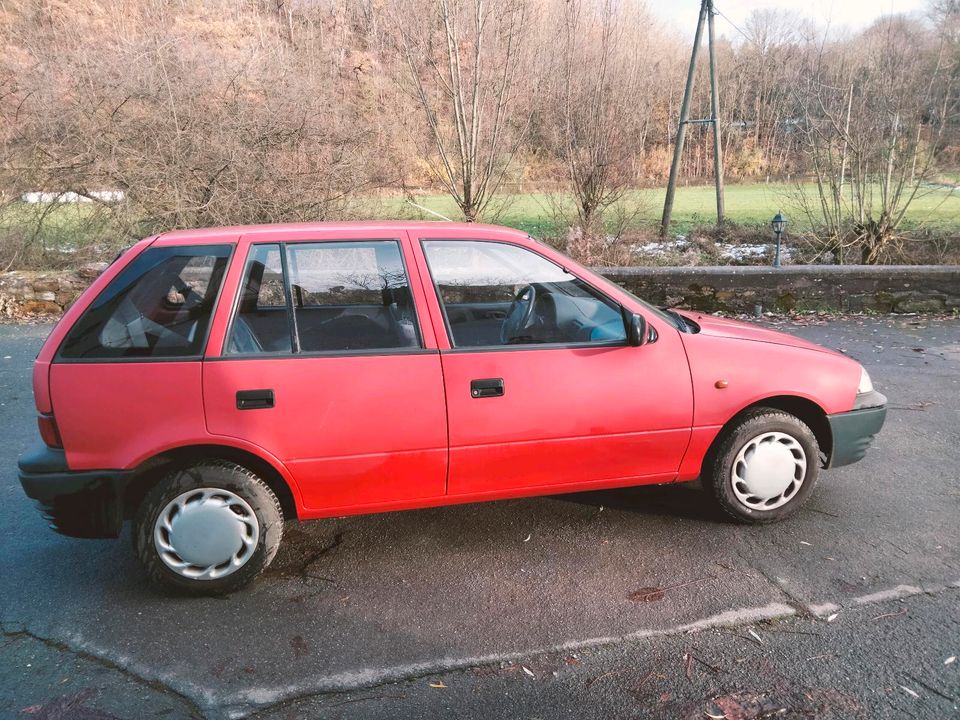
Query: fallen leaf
(299, 646)
(950, 660)
(756, 637)
(743, 705)
(647, 594)
(70, 706)
(527, 538)
(804, 542)
(910, 692)
(831, 618)
(438, 685)
(527, 670)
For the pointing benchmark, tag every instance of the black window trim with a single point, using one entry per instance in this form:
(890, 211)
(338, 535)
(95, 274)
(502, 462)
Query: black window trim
(287, 298)
(232, 246)
(515, 346)
(274, 355)
(421, 348)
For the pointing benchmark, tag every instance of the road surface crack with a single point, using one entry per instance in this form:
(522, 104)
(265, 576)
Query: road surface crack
(12, 636)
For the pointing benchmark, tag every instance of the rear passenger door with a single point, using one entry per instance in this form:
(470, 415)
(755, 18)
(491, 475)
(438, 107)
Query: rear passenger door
(325, 366)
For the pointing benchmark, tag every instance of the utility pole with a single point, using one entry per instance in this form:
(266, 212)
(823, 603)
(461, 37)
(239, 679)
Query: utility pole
(715, 112)
(706, 14)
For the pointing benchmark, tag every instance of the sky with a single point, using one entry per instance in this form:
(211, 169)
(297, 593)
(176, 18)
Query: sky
(854, 14)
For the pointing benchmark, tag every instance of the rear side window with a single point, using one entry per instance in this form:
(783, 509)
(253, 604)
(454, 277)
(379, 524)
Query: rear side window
(324, 297)
(159, 306)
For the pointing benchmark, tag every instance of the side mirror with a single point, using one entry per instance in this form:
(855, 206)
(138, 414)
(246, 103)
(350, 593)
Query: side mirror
(636, 327)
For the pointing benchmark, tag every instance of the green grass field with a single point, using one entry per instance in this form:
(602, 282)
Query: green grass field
(750, 205)
(71, 226)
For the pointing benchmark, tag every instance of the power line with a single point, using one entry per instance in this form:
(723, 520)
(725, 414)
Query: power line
(734, 25)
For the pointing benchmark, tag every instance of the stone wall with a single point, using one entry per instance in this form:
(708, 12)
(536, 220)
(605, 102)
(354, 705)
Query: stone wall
(844, 288)
(854, 288)
(25, 294)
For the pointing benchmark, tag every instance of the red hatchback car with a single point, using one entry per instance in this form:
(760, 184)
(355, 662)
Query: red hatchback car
(213, 383)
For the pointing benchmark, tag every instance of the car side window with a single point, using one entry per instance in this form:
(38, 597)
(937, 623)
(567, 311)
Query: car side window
(495, 293)
(262, 321)
(159, 306)
(324, 297)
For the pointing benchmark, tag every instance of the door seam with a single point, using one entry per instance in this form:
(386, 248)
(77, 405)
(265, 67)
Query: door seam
(410, 250)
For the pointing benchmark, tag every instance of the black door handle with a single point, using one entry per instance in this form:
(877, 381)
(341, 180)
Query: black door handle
(488, 387)
(254, 399)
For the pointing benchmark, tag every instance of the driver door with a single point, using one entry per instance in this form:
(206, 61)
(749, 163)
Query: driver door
(542, 388)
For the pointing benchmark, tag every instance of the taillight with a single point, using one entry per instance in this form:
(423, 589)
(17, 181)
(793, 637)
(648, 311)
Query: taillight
(49, 431)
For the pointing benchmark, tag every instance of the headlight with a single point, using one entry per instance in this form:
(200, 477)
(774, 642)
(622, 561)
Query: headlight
(865, 385)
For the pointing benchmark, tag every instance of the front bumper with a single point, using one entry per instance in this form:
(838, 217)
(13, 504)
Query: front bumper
(854, 431)
(78, 503)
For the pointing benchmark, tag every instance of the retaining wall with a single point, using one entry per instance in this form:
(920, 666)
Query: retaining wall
(735, 289)
(853, 288)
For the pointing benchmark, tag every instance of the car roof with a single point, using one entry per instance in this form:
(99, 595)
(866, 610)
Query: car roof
(458, 230)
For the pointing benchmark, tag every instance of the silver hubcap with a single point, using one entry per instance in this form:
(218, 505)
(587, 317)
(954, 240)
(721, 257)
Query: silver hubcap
(769, 471)
(207, 533)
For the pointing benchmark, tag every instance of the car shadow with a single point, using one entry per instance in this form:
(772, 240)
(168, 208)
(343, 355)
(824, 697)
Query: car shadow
(110, 568)
(684, 500)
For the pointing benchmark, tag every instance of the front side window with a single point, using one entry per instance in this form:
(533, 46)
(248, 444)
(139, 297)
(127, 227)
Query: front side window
(324, 297)
(498, 294)
(159, 306)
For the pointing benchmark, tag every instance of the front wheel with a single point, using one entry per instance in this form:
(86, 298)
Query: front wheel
(208, 529)
(765, 468)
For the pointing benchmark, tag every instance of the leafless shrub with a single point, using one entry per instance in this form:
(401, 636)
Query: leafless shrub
(206, 115)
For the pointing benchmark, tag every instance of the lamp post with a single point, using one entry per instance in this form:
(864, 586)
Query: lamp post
(779, 224)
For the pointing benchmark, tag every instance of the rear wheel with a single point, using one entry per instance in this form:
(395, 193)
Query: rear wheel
(208, 529)
(765, 467)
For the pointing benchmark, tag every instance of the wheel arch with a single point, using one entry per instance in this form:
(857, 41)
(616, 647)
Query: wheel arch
(150, 471)
(806, 410)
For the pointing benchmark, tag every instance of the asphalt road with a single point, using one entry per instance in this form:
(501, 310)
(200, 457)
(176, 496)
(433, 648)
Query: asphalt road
(359, 616)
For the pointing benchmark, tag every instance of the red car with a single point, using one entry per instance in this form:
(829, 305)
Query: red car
(213, 383)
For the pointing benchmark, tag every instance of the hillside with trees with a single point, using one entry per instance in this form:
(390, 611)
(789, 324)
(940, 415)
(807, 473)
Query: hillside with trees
(223, 112)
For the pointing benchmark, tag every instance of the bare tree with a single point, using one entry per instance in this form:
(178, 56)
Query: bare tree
(945, 15)
(759, 77)
(875, 112)
(596, 111)
(464, 67)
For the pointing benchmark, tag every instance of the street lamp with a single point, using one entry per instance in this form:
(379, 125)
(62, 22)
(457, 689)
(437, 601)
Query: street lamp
(779, 224)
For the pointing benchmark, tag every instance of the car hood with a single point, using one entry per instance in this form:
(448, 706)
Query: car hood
(722, 327)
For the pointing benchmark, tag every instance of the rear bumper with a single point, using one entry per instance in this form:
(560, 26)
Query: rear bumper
(78, 503)
(854, 431)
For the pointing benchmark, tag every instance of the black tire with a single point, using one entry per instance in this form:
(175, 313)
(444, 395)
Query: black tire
(718, 467)
(209, 474)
